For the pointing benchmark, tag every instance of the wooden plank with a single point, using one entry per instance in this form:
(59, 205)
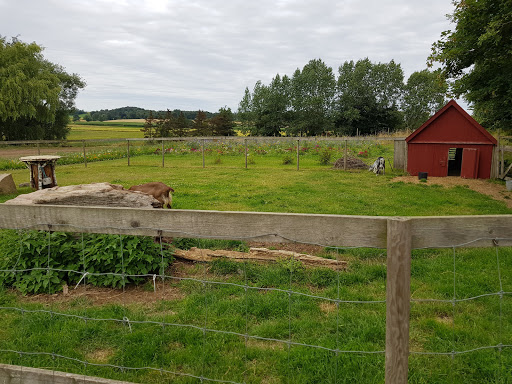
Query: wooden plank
(468, 231)
(398, 293)
(327, 230)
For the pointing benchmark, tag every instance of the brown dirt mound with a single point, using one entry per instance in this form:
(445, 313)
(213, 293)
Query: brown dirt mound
(352, 163)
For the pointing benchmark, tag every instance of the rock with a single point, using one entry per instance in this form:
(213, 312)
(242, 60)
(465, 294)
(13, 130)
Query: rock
(7, 185)
(24, 185)
(96, 194)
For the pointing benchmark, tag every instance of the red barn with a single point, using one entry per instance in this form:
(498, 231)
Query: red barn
(451, 143)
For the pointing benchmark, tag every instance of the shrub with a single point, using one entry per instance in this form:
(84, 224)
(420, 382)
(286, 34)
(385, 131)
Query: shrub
(46, 261)
(288, 159)
(326, 156)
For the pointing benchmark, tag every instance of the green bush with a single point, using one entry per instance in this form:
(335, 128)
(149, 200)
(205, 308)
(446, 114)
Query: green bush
(326, 156)
(288, 159)
(48, 260)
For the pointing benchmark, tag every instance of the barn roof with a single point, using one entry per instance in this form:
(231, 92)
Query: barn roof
(463, 114)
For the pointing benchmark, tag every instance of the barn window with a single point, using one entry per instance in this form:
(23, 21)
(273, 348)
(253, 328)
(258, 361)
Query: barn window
(454, 161)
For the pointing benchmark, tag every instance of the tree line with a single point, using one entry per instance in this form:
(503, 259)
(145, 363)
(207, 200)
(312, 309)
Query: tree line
(176, 124)
(364, 98)
(132, 113)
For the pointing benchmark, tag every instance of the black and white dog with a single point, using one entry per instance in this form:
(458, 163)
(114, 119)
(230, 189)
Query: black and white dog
(379, 166)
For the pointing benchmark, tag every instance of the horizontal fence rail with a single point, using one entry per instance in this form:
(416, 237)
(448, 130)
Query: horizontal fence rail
(399, 235)
(329, 230)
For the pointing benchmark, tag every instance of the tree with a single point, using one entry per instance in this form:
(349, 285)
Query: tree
(180, 126)
(477, 57)
(313, 91)
(200, 124)
(245, 113)
(150, 126)
(368, 97)
(36, 96)
(165, 126)
(223, 124)
(424, 94)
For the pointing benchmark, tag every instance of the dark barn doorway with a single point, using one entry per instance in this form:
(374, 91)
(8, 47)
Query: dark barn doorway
(454, 161)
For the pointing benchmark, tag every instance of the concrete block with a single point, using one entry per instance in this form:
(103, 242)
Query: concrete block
(7, 185)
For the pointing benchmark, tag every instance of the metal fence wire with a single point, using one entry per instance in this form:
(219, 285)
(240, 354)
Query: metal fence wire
(230, 321)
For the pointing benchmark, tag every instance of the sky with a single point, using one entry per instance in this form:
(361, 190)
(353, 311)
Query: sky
(202, 54)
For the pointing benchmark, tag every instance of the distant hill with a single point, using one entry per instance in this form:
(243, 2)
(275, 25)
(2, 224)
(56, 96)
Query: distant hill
(137, 113)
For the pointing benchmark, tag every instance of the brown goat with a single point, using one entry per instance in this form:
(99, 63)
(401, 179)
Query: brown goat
(158, 190)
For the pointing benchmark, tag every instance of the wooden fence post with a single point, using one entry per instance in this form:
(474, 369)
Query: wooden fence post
(163, 154)
(202, 150)
(398, 293)
(345, 157)
(298, 144)
(85, 157)
(128, 151)
(245, 153)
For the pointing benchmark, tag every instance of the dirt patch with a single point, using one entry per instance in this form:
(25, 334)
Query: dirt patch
(265, 344)
(327, 307)
(100, 356)
(485, 187)
(144, 294)
(100, 296)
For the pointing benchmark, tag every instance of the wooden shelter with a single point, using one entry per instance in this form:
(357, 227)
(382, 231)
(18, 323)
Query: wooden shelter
(451, 143)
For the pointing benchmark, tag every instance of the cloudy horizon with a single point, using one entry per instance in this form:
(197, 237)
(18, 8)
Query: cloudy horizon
(159, 54)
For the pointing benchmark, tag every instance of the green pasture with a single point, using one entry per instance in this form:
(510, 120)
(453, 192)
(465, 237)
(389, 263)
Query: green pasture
(94, 131)
(270, 184)
(313, 324)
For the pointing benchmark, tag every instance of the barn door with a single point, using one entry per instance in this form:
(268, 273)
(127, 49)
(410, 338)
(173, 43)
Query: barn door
(469, 168)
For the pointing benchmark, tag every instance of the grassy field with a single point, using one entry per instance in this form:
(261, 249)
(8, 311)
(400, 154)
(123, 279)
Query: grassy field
(292, 336)
(104, 131)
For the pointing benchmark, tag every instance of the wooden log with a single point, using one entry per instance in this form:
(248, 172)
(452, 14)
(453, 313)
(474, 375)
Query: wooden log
(258, 255)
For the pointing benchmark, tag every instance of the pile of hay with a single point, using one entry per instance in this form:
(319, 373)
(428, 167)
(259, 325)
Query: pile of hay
(352, 163)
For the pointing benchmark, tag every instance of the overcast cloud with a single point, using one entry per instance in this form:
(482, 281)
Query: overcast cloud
(201, 54)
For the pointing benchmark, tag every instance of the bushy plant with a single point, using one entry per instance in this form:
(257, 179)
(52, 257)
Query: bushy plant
(325, 156)
(288, 159)
(42, 262)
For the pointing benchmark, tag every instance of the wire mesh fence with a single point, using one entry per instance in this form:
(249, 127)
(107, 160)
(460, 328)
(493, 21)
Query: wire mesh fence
(248, 152)
(245, 322)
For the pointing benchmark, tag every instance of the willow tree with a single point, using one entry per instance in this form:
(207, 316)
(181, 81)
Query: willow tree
(36, 96)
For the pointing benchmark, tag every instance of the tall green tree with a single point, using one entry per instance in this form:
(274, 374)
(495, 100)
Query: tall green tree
(313, 91)
(150, 126)
(424, 94)
(164, 126)
(245, 112)
(200, 124)
(180, 127)
(368, 97)
(270, 107)
(477, 56)
(36, 96)
(223, 124)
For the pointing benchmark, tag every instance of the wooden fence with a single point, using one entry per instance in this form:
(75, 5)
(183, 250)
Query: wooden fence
(398, 234)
